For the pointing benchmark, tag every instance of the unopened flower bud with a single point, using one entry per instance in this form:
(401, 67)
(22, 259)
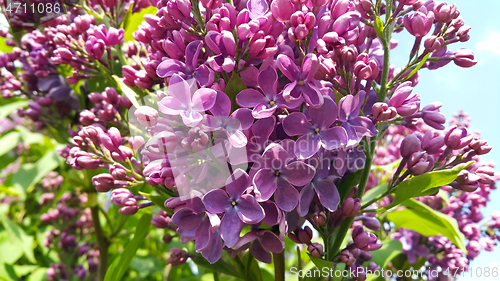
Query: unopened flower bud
(433, 43)
(301, 236)
(409, 145)
(130, 207)
(177, 257)
(383, 112)
(147, 116)
(103, 182)
(351, 207)
(457, 138)
(315, 249)
(119, 196)
(136, 142)
(464, 58)
(319, 218)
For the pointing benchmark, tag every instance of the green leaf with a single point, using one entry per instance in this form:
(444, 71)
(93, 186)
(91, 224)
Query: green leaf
(157, 199)
(252, 267)
(417, 68)
(29, 137)
(131, 95)
(219, 266)
(3, 47)
(8, 244)
(373, 193)
(134, 20)
(22, 270)
(20, 238)
(9, 141)
(379, 29)
(425, 184)
(121, 263)
(38, 275)
(348, 183)
(29, 174)
(7, 272)
(321, 263)
(428, 222)
(233, 88)
(7, 109)
(97, 84)
(384, 255)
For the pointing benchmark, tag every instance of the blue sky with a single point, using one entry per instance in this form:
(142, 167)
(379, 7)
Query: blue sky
(475, 90)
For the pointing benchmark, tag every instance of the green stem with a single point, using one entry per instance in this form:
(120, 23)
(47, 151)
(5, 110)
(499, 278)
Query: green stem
(216, 276)
(346, 224)
(279, 266)
(299, 262)
(102, 243)
(385, 74)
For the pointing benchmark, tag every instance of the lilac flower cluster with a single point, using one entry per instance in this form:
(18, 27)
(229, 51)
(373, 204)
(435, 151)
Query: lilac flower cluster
(70, 222)
(465, 196)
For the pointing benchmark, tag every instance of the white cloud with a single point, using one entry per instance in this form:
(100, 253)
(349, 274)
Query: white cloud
(490, 43)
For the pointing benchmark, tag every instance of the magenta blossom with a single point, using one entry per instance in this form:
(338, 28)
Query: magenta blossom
(319, 133)
(238, 207)
(189, 70)
(180, 102)
(278, 175)
(303, 86)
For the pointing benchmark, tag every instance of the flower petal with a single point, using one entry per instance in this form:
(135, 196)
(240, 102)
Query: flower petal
(305, 198)
(288, 67)
(286, 196)
(307, 145)
(262, 111)
(268, 80)
(179, 89)
(186, 218)
(244, 116)
(204, 99)
(222, 106)
(333, 138)
(214, 250)
(249, 210)
(204, 75)
(203, 235)
(275, 156)
(192, 51)
(170, 66)
(327, 193)
(250, 98)
(312, 95)
(324, 116)
(273, 213)
(171, 106)
(271, 242)
(297, 124)
(260, 253)
(298, 173)
(237, 183)
(265, 182)
(216, 201)
(230, 227)
(310, 66)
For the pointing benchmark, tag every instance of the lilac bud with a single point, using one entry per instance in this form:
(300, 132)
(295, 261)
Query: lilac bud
(370, 222)
(136, 142)
(110, 95)
(95, 47)
(351, 207)
(83, 249)
(115, 136)
(347, 257)
(315, 249)
(130, 207)
(464, 58)
(404, 101)
(211, 4)
(107, 142)
(177, 257)
(96, 97)
(467, 181)
(118, 172)
(125, 152)
(46, 197)
(445, 13)
(457, 138)
(87, 162)
(486, 174)
(167, 238)
(301, 236)
(319, 218)
(360, 237)
(103, 182)
(147, 116)
(282, 10)
(419, 23)
(432, 142)
(349, 53)
(160, 221)
(433, 43)
(420, 162)
(409, 145)
(320, 3)
(119, 195)
(114, 36)
(87, 117)
(383, 112)
(481, 147)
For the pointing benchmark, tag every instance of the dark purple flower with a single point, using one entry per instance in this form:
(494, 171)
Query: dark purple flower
(278, 175)
(356, 126)
(318, 134)
(224, 47)
(189, 70)
(261, 243)
(238, 208)
(303, 86)
(320, 185)
(264, 105)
